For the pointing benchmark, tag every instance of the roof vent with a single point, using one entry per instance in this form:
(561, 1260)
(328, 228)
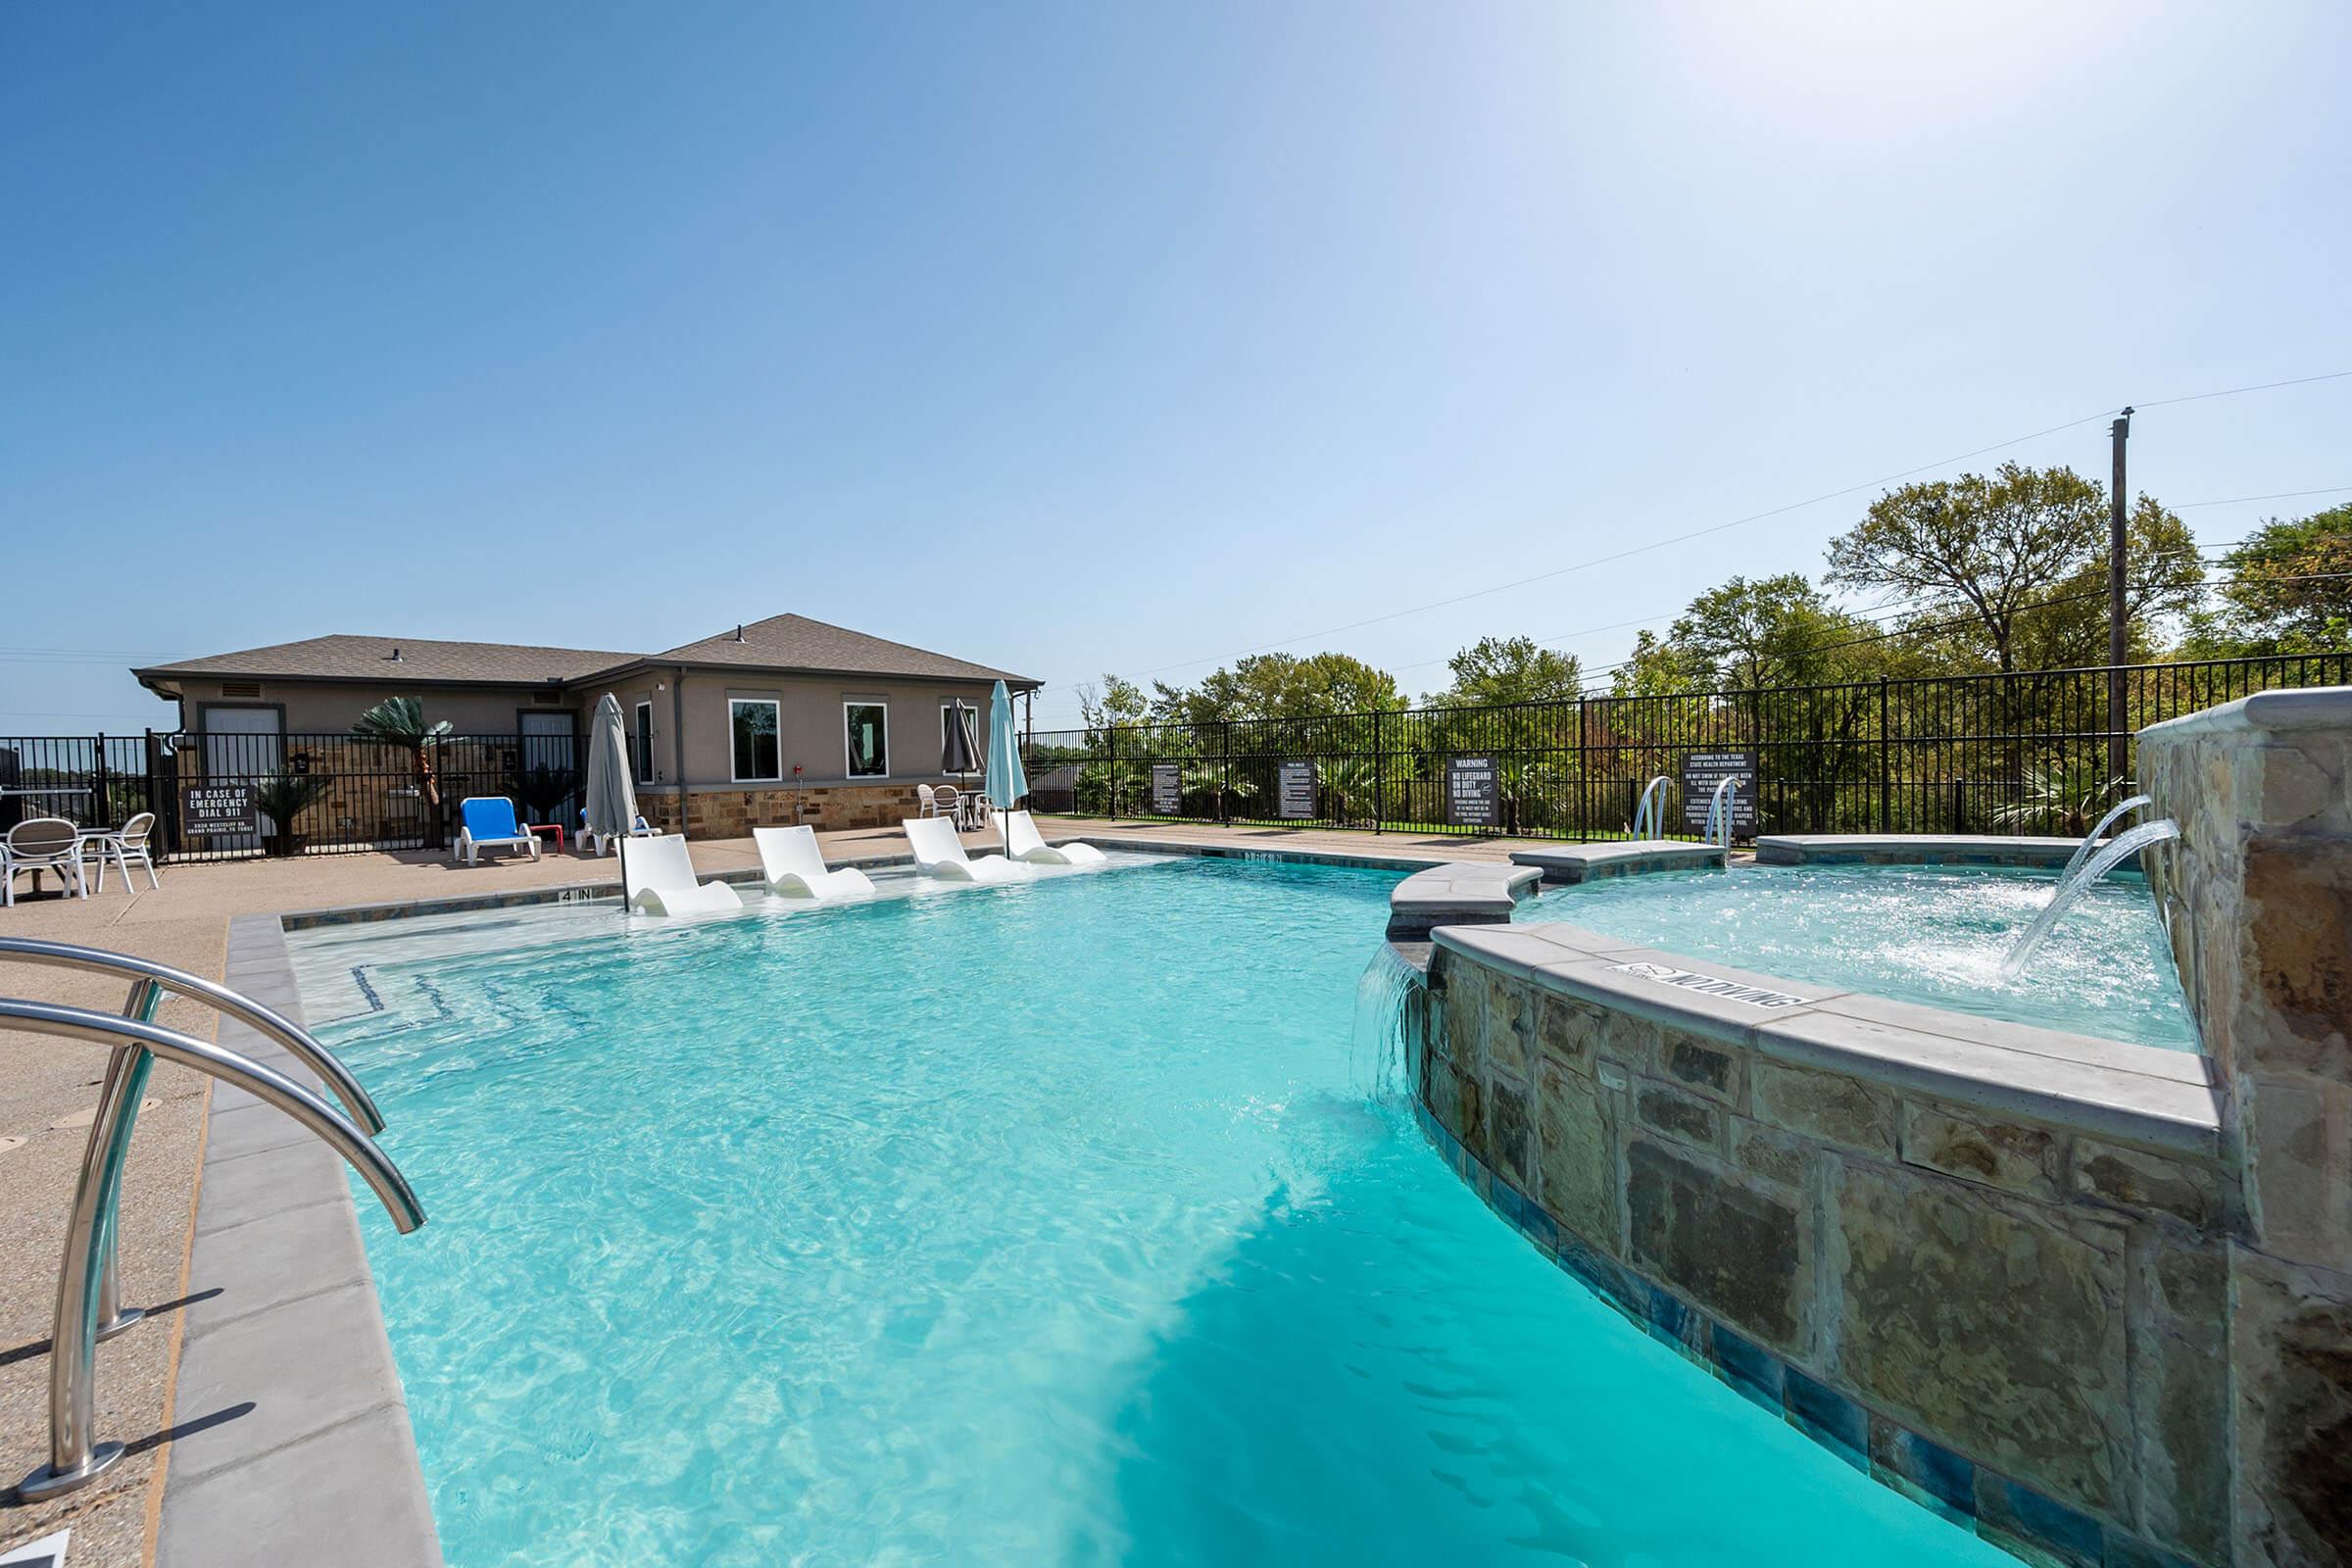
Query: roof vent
(739, 631)
(393, 657)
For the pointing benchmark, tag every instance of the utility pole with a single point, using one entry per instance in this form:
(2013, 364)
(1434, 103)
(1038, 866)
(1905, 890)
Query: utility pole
(2118, 647)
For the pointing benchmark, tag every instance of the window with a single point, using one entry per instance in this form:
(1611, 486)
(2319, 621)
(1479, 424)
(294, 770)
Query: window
(869, 726)
(751, 722)
(642, 743)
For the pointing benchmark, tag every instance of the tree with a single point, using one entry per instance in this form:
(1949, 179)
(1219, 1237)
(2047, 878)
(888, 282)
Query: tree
(1509, 669)
(1655, 667)
(1117, 700)
(1282, 686)
(2284, 590)
(1985, 548)
(2163, 579)
(1773, 631)
(400, 722)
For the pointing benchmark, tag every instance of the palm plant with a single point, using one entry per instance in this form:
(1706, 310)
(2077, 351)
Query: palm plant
(543, 787)
(1349, 784)
(2059, 800)
(400, 722)
(283, 796)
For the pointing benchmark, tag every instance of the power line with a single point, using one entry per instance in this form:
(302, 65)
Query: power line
(2023, 609)
(1758, 517)
(2233, 391)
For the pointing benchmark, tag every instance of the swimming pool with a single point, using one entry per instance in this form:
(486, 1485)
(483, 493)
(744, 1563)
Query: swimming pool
(1916, 933)
(1038, 1224)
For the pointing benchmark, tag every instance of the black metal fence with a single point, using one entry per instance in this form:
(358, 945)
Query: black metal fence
(271, 794)
(2029, 752)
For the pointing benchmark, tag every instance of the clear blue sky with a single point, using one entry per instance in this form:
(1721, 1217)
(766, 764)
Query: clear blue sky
(1105, 337)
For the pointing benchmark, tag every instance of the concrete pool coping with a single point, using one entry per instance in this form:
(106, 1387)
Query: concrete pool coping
(294, 1443)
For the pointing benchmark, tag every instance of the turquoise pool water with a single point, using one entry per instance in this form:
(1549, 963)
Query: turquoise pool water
(1927, 934)
(1035, 1225)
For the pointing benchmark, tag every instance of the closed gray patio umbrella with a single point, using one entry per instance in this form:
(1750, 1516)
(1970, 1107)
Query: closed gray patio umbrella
(960, 755)
(609, 799)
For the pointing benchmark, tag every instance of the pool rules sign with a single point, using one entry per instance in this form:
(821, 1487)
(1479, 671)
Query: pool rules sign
(1296, 796)
(1702, 772)
(1472, 797)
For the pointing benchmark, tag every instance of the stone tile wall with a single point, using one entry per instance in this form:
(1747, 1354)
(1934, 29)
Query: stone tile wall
(2260, 889)
(2012, 1319)
(732, 813)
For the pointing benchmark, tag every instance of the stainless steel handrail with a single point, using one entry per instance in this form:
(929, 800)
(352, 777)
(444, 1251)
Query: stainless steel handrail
(278, 1027)
(75, 1458)
(149, 980)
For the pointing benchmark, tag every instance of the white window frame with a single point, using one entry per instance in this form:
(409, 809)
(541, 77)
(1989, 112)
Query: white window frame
(641, 753)
(774, 705)
(847, 703)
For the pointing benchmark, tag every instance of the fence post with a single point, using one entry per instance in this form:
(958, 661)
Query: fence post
(1583, 777)
(1380, 768)
(1225, 771)
(1886, 753)
(1959, 806)
(1110, 768)
(102, 802)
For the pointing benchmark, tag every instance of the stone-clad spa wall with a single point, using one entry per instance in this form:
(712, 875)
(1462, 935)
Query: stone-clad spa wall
(2013, 1313)
(2262, 890)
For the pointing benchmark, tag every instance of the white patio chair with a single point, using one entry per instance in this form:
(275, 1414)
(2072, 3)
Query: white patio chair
(602, 843)
(928, 798)
(43, 844)
(791, 864)
(949, 802)
(130, 842)
(658, 877)
(939, 852)
(1023, 842)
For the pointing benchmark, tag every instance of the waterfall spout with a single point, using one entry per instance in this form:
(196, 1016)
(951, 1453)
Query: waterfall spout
(2091, 840)
(2123, 847)
(1391, 1011)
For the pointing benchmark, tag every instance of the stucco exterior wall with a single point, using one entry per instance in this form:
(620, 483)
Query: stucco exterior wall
(319, 707)
(811, 731)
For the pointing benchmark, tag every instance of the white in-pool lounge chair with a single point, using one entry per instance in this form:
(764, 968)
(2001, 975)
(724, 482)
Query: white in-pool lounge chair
(661, 879)
(939, 852)
(1023, 842)
(793, 866)
(489, 823)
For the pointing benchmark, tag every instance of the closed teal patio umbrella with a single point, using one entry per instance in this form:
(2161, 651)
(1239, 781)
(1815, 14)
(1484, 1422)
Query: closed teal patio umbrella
(1006, 782)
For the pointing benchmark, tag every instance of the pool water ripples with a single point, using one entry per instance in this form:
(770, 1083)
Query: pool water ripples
(1046, 1224)
(1935, 935)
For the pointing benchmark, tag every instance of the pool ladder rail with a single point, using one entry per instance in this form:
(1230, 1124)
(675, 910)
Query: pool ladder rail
(88, 1307)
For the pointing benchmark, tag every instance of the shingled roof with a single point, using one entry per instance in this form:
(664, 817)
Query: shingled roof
(778, 643)
(411, 660)
(795, 642)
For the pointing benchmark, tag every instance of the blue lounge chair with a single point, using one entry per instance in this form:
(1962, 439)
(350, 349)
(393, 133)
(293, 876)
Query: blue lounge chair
(488, 822)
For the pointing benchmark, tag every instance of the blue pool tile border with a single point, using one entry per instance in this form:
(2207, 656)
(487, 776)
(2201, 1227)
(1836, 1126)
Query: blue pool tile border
(2002, 1512)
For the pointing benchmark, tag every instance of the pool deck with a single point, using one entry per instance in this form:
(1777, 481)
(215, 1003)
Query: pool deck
(48, 1091)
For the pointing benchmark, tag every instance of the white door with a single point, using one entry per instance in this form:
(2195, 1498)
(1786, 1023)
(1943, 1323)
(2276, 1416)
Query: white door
(241, 746)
